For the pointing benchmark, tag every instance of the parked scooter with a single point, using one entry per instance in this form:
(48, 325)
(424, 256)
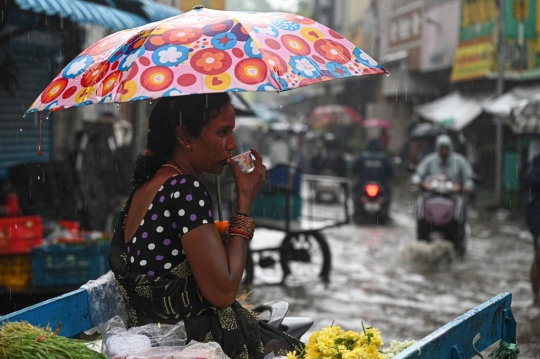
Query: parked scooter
(440, 212)
(275, 314)
(371, 202)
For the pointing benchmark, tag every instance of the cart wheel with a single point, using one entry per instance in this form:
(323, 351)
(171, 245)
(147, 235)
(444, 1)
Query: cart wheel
(305, 256)
(247, 277)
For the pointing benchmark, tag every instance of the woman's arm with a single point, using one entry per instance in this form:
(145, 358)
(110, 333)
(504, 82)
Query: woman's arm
(217, 268)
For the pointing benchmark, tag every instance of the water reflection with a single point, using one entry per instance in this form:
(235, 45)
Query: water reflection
(372, 280)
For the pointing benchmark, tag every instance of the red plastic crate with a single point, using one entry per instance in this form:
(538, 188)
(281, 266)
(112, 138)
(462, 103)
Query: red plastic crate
(18, 235)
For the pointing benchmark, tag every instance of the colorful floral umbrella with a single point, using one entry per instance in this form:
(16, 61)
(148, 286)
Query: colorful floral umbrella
(204, 51)
(326, 115)
(377, 123)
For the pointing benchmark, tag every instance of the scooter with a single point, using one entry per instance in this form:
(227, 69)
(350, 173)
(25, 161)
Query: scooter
(440, 212)
(275, 314)
(371, 202)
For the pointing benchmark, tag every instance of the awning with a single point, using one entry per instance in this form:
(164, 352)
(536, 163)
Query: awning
(502, 106)
(156, 11)
(83, 12)
(453, 111)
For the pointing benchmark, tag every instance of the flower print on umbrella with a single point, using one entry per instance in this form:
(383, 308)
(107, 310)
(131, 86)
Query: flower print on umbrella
(109, 83)
(305, 67)
(77, 66)
(250, 71)
(129, 60)
(183, 36)
(214, 29)
(224, 41)
(311, 34)
(170, 55)
(364, 58)
(94, 74)
(54, 90)
(240, 32)
(69, 92)
(207, 51)
(280, 84)
(218, 83)
(211, 61)
(285, 24)
(107, 44)
(251, 49)
(333, 51)
(52, 106)
(127, 90)
(275, 63)
(267, 30)
(156, 78)
(172, 92)
(296, 45)
(337, 70)
(84, 94)
(298, 19)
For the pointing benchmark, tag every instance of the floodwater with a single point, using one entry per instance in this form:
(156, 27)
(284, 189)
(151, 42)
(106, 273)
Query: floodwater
(374, 280)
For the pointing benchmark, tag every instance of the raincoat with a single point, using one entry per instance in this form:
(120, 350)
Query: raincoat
(455, 166)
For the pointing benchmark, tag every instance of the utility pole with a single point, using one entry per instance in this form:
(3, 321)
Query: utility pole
(499, 120)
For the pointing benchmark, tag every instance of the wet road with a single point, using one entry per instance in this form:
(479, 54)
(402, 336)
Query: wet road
(374, 280)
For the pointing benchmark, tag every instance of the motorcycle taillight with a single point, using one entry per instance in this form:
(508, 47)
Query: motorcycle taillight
(372, 190)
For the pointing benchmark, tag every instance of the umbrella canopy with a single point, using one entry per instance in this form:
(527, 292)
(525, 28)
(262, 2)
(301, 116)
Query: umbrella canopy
(377, 123)
(204, 51)
(325, 115)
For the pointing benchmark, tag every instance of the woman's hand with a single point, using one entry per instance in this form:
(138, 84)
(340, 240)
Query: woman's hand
(248, 185)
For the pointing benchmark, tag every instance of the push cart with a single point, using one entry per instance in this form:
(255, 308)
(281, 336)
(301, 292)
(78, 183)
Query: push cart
(463, 338)
(296, 208)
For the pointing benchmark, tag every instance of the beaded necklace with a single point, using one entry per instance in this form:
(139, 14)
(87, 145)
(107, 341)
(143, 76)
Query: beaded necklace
(173, 166)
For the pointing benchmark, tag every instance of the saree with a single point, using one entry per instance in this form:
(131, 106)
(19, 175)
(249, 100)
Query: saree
(175, 296)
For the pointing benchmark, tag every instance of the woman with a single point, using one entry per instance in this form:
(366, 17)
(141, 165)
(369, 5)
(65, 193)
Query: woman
(167, 255)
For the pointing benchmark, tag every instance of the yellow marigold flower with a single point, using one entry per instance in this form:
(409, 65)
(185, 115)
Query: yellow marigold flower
(291, 355)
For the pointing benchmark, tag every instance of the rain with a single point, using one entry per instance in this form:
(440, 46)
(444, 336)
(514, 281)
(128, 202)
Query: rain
(400, 140)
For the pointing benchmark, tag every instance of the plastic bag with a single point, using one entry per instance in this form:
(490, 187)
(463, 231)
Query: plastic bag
(105, 302)
(210, 350)
(117, 340)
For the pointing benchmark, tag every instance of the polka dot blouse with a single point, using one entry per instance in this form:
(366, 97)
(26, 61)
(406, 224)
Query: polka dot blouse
(180, 205)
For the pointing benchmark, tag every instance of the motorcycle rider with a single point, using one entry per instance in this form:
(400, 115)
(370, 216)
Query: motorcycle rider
(373, 165)
(447, 162)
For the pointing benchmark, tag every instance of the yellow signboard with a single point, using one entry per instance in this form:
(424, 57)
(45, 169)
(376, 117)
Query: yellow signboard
(473, 60)
(187, 5)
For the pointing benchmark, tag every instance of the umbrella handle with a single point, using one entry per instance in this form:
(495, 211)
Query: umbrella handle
(218, 191)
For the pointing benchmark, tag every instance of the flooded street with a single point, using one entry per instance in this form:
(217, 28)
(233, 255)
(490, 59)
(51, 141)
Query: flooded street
(374, 281)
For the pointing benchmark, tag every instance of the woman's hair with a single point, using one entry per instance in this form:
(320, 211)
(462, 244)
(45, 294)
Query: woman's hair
(192, 111)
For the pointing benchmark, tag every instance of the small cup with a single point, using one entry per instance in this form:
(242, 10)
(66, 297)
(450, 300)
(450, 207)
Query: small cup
(222, 226)
(245, 161)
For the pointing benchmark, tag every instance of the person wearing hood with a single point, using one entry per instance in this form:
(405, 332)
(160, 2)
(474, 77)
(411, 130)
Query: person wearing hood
(445, 161)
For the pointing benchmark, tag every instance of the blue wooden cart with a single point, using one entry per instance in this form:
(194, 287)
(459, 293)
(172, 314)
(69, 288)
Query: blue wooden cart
(478, 329)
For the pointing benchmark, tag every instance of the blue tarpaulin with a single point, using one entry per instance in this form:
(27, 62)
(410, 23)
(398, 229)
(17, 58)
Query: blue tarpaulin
(83, 12)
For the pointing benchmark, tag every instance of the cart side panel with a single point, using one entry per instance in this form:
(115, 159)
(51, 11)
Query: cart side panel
(493, 320)
(70, 309)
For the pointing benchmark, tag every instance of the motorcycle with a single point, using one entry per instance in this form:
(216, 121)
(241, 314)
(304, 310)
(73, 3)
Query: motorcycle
(371, 202)
(440, 212)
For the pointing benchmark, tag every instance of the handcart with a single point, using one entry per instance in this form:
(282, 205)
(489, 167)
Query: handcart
(301, 206)
(463, 338)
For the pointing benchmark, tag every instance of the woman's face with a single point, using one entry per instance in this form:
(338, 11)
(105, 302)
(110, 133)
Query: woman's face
(213, 147)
